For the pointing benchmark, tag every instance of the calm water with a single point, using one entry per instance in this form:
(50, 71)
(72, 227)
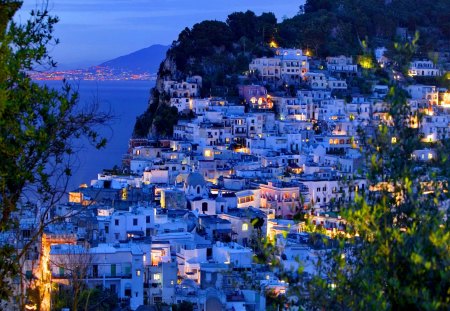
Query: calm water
(126, 100)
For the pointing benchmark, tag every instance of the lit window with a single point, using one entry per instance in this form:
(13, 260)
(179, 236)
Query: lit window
(138, 272)
(208, 153)
(394, 140)
(430, 156)
(245, 227)
(157, 276)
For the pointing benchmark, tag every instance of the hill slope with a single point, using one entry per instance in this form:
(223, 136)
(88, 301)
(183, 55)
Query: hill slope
(144, 60)
(221, 51)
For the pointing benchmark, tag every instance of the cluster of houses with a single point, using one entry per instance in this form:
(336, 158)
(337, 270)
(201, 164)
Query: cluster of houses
(183, 220)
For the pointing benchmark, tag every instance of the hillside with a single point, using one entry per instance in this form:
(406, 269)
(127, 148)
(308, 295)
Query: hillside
(221, 51)
(144, 60)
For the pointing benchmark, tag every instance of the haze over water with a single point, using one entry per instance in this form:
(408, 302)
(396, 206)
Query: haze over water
(126, 100)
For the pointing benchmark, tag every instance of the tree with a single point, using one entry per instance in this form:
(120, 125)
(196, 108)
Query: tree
(38, 129)
(73, 262)
(243, 25)
(398, 258)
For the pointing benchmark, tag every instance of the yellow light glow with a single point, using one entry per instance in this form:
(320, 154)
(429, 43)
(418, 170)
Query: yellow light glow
(365, 61)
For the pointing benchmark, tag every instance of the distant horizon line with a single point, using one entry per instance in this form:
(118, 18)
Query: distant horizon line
(80, 65)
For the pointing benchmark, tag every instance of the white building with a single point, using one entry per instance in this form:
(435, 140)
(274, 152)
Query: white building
(423, 68)
(341, 64)
(119, 268)
(287, 64)
(233, 253)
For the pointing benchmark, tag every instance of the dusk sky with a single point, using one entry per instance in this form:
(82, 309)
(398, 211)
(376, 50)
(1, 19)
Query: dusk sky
(93, 31)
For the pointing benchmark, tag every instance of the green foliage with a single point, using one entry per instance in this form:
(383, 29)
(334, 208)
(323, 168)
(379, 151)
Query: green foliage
(218, 50)
(337, 27)
(403, 52)
(144, 122)
(97, 299)
(38, 126)
(399, 256)
(204, 39)
(165, 118)
(9, 269)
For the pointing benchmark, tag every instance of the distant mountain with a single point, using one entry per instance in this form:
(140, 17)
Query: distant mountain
(144, 60)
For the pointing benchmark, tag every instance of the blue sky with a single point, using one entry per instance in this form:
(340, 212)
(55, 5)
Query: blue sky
(93, 31)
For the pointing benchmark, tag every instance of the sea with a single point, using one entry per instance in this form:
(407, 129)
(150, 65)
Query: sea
(125, 100)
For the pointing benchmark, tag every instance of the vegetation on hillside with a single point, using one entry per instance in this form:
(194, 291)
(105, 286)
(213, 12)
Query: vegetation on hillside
(398, 255)
(221, 51)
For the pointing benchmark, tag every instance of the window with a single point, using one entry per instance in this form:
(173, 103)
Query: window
(116, 222)
(138, 272)
(318, 189)
(157, 276)
(244, 227)
(135, 221)
(106, 229)
(95, 271)
(198, 189)
(204, 206)
(26, 234)
(147, 219)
